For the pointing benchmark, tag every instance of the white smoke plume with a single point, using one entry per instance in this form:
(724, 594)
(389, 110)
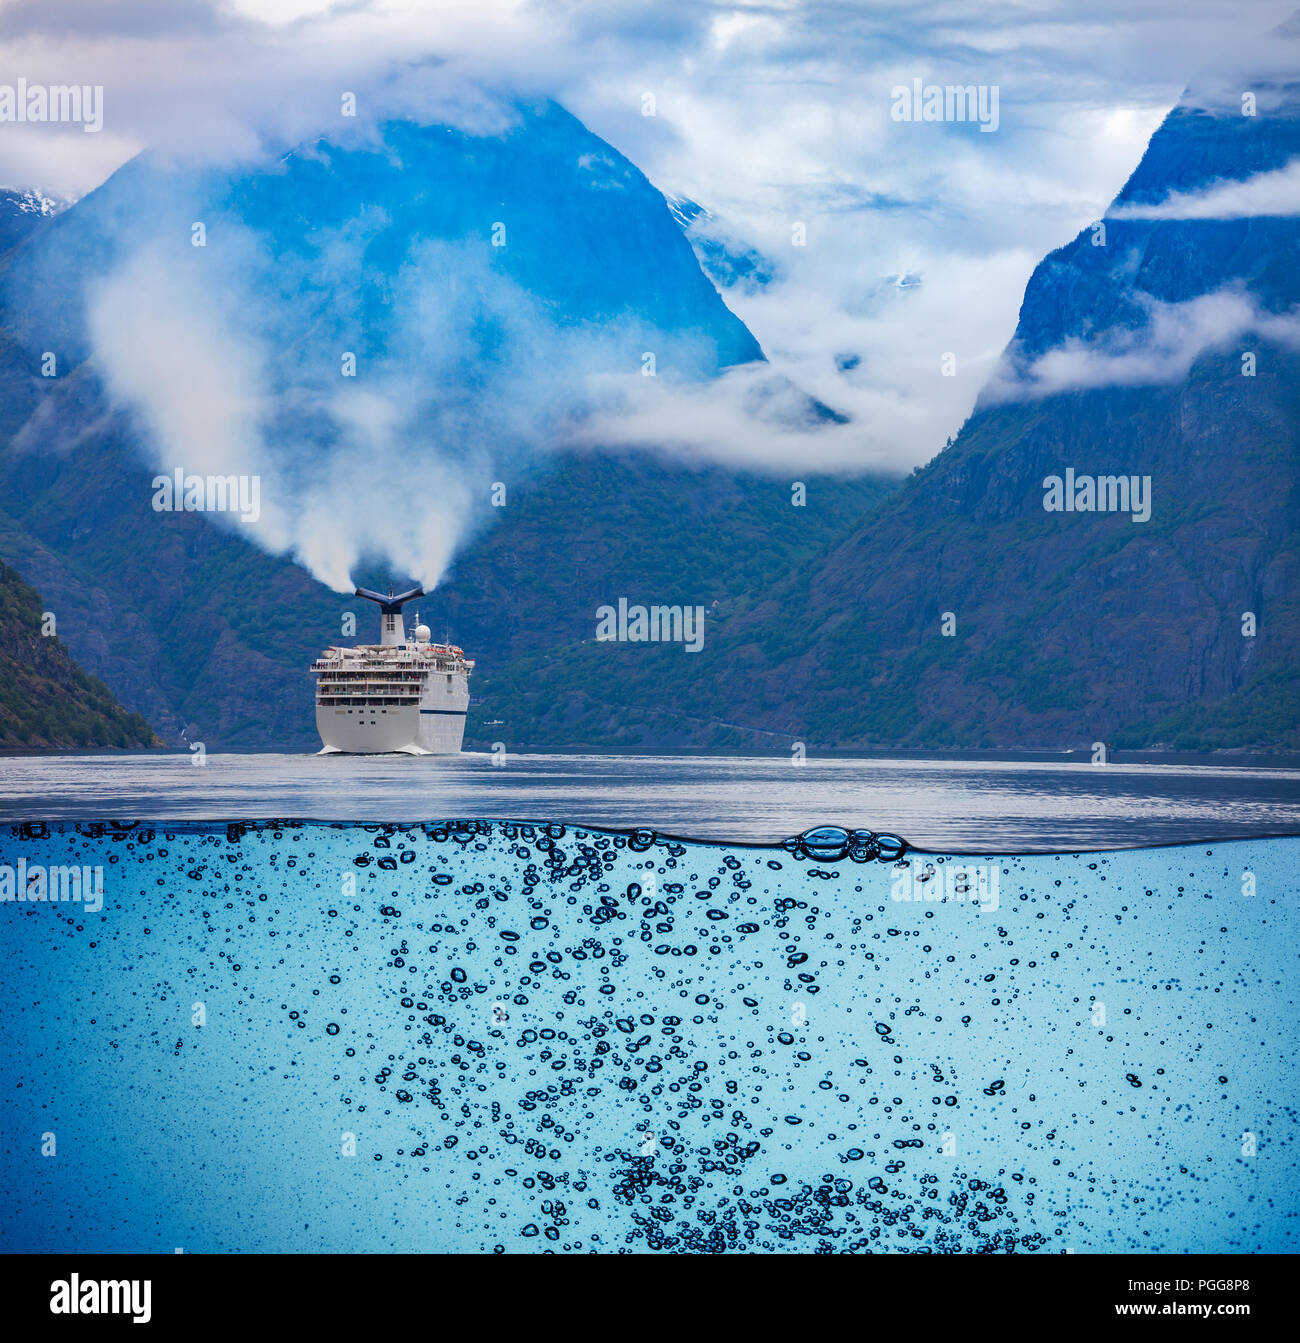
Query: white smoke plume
(395, 463)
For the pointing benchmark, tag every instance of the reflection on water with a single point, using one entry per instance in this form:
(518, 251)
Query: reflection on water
(968, 805)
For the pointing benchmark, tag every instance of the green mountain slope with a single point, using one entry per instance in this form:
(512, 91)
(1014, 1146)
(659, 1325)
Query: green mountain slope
(46, 700)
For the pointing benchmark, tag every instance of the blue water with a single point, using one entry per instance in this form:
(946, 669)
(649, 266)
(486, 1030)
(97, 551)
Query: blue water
(554, 1039)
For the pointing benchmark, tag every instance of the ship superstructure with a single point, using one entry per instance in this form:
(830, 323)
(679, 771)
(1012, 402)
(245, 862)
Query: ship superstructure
(407, 695)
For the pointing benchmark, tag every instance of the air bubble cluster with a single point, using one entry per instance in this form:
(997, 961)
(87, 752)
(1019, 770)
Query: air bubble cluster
(501, 1037)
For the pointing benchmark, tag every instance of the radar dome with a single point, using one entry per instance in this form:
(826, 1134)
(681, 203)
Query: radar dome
(422, 634)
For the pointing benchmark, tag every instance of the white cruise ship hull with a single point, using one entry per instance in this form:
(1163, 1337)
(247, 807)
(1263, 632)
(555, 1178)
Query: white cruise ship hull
(394, 696)
(384, 731)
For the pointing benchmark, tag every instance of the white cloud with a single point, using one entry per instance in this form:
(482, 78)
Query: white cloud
(1162, 349)
(1264, 194)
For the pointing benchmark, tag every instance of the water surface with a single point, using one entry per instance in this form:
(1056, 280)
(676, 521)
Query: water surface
(966, 805)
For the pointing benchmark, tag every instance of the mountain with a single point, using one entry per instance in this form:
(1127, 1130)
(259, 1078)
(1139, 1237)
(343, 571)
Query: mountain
(379, 243)
(728, 265)
(20, 213)
(1066, 627)
(46, 700)
(595, 529)
(824, 624)
(328, 246)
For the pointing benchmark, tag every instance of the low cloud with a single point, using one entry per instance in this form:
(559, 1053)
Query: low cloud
(1162, 349)
(1265, 194)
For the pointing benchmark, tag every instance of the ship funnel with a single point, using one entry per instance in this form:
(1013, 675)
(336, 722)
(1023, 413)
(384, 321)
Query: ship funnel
(393, 632)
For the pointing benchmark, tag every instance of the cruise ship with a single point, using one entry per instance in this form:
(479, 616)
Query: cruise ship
(398, 695)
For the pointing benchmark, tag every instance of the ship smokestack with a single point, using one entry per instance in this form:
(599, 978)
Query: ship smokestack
(392, 630)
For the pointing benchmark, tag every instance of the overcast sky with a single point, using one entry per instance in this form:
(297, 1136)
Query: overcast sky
(919, 238)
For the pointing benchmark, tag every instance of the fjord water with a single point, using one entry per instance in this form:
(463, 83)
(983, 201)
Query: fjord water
(501, 1036)
(951, 804)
